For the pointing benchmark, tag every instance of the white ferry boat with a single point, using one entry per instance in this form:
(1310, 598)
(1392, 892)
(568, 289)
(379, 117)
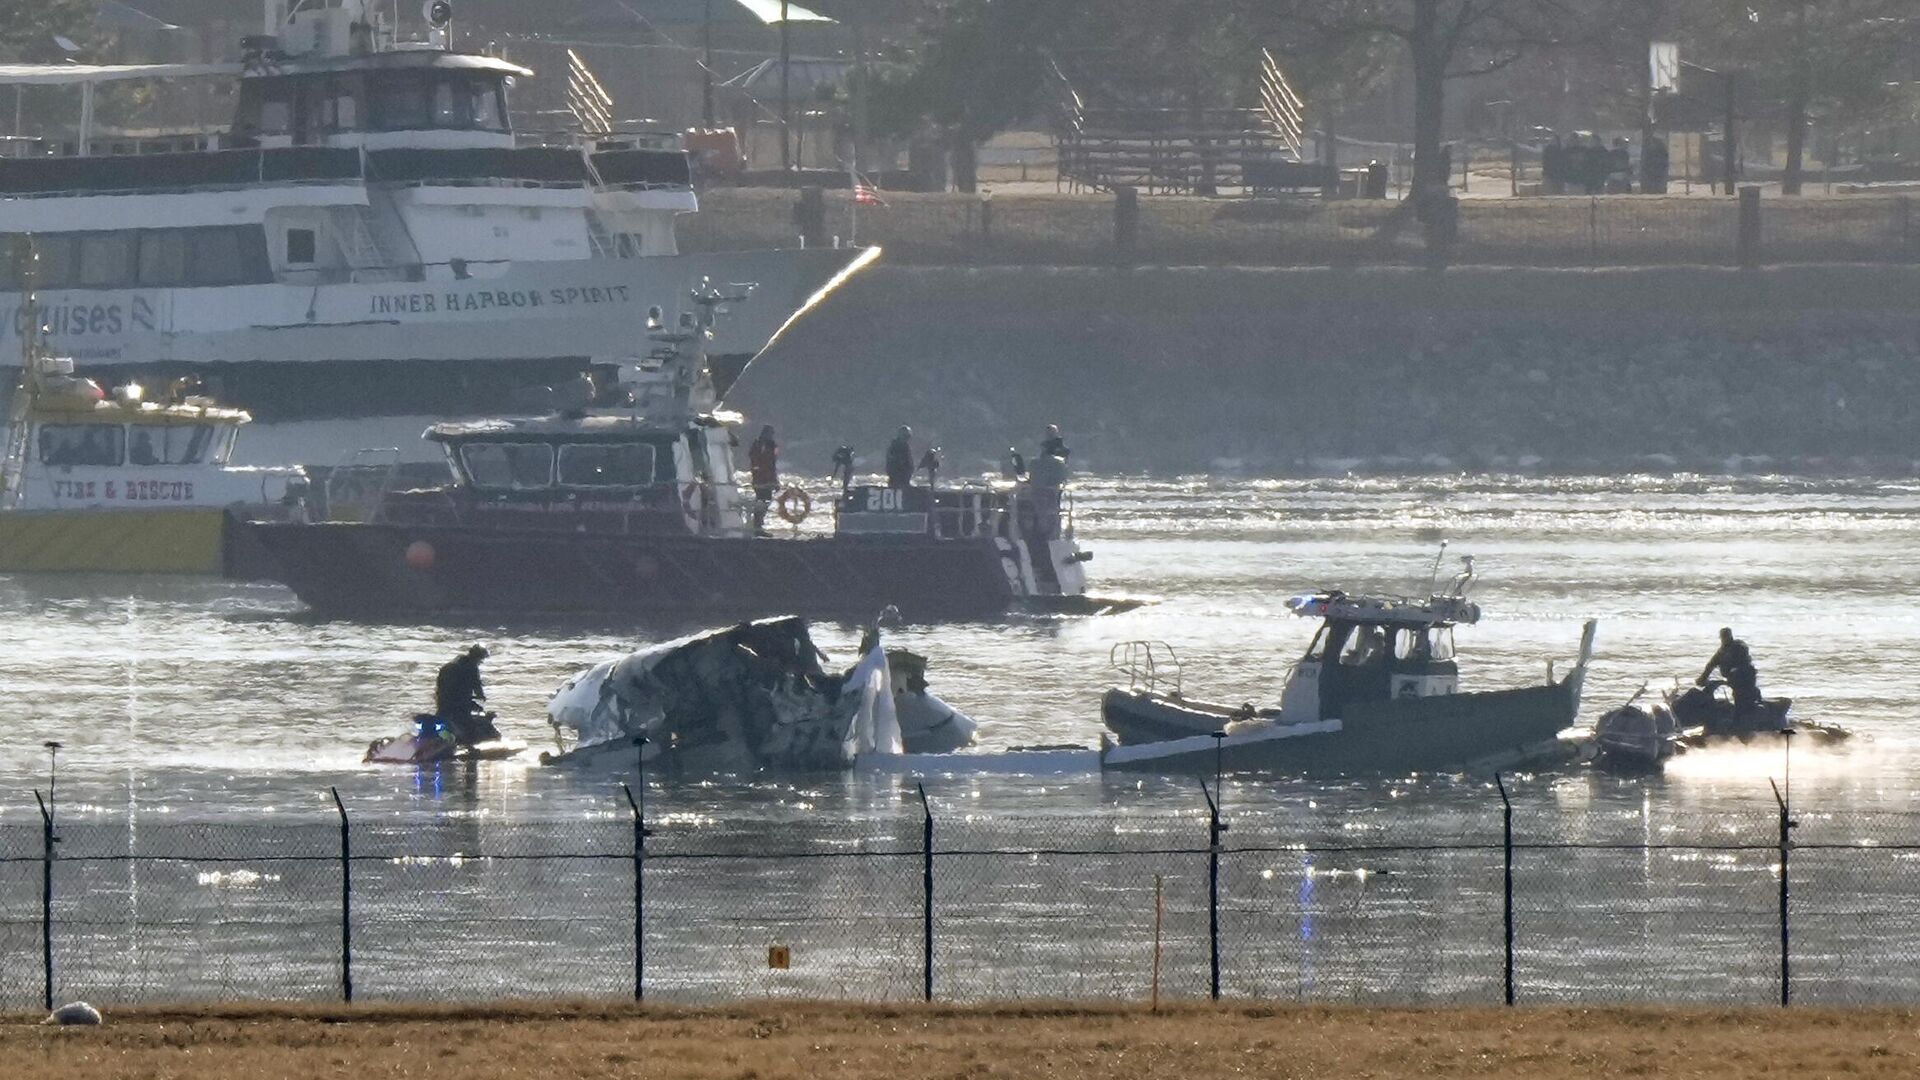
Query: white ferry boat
(99, 480)
(370, 244)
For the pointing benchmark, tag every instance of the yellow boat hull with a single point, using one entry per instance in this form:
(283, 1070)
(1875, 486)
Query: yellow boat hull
(177, 541)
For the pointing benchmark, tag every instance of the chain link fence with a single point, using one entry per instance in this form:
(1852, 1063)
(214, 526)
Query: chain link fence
(1094, 229)
(1473, 903)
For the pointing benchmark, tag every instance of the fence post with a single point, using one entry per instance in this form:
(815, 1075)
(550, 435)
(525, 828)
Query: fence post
(1506, 815)
(1749, 227)
(638, 805)
(1215, 827)
(47, 840)
(1786, 832)
(346, 900)
(926, 893)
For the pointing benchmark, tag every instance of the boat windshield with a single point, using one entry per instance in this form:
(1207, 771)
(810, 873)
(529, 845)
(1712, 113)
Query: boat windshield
(169, 444)
(606, 465)
(519, 466)
(82, 444)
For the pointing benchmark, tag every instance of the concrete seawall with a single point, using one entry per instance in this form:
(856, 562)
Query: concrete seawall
(1797, 368)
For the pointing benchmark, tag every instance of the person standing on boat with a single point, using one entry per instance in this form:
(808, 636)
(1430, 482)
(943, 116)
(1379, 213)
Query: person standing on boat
(900, 459)
(763, 462)
(1736, 666)
(1053, 445)
(843, 468)
(459, 699)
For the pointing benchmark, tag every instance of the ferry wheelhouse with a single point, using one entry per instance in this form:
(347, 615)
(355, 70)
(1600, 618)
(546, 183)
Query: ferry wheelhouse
(369, 238)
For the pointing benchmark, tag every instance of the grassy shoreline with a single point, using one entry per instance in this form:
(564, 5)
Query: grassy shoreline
(767, 1041)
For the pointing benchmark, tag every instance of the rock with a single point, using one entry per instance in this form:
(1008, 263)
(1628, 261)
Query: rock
(74, 1012)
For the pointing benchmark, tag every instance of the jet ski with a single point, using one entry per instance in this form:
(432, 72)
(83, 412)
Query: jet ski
(431, 742)
(1705, 714)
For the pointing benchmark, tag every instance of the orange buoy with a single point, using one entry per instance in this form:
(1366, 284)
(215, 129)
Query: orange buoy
(420, 555)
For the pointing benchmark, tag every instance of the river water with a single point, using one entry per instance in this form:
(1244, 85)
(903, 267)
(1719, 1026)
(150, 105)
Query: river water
(189, 701)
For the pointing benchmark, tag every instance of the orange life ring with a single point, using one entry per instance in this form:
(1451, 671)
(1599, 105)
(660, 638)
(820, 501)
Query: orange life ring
(795, 505)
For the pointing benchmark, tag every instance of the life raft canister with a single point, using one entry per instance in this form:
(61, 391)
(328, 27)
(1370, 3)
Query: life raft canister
(795, 505)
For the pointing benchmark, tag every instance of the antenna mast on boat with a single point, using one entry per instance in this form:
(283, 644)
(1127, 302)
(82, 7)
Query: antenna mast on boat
(1433, 577)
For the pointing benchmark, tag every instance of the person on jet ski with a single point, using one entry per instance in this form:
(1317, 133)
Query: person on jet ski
(459, 699)
(1736, 666)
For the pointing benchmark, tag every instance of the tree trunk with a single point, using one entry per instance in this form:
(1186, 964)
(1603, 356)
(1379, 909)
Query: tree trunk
(964, 159)
(1429, 105)
(1797, 103)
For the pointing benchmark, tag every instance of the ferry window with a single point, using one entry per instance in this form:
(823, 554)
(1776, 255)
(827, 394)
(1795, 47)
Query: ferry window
(508, 465)
(215, 257)
(1443, 643)
(1411, 644)
(106, 258)
(1367, 645)
(445, 112)
(300, 245)
(1318, 649)
(163, 256)
(346, 111)
(606, 465)
(59, 260)
(82, 444)
(276, 112)
(483, 98)
(399, 104)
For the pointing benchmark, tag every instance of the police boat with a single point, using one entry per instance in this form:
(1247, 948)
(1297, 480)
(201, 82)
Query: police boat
(1378, 691)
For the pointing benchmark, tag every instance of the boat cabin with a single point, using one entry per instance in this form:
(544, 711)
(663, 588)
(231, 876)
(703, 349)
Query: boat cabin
(1374, 649)
(619, 472)
(74, 446)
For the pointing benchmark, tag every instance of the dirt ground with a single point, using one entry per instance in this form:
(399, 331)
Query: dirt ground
(857, 1042)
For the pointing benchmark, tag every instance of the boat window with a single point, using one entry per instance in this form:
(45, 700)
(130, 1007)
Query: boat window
(217, 256)
(1367, 645)
(446, 112)
(1443, 643)
(508, 465)
(1411, 643)
(223, 444)
(606, 464)
(399, 104)
(346, 110)
(276, 111)
(169, 444)
(300, 245)
(59, 265)
(106, 258)
(163, 256)
(483, 101)
(82, 444)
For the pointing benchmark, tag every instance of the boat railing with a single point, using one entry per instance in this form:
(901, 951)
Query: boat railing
(357, 487)
(1148, 665)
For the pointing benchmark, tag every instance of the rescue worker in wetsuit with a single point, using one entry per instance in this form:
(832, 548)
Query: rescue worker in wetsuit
(459, 699)
(763, 462)
(900, 458)
(1736, 666)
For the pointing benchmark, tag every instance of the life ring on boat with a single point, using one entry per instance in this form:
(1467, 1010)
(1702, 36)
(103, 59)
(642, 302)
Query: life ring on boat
(795, 505)
(695, 498)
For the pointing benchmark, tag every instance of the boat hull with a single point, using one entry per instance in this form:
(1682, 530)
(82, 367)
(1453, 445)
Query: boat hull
(351, 569)
(160, 541)
(1394, 736)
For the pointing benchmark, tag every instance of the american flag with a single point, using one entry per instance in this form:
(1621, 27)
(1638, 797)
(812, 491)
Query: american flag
(865, 195)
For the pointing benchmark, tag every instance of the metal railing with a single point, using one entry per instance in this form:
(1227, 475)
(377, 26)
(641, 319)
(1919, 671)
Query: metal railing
(1511, 899)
